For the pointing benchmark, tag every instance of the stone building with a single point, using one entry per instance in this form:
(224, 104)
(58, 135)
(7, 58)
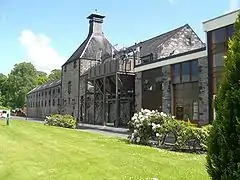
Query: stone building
(44, 100)
(174, 72)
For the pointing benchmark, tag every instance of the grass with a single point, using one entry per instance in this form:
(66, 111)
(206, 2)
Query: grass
(31, 150)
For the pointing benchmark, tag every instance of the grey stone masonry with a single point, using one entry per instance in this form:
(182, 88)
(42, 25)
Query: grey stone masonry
(203, 91)
(183, 41)
(44, 100)
(70, 78)
(166, 89)
(138, 91)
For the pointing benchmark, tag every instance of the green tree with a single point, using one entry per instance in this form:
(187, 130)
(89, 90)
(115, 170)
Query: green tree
(3, 91)
(54, 75)
(21, 80)
(41, 77)
(223, 156)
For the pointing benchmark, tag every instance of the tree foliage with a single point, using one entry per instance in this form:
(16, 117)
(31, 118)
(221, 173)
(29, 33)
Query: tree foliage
(54, 75)
(223, 158)
(3, 80)
(23, 78)
(20, 81)
(42, 77)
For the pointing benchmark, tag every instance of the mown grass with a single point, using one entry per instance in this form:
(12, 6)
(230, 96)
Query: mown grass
(31, 150)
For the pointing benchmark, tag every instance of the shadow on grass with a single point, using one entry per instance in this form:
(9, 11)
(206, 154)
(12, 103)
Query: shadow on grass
(169, 147)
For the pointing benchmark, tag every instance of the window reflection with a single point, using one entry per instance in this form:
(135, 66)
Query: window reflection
(185, 72)
(219, 35)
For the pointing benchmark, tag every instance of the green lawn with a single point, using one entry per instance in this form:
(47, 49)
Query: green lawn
(33, 151)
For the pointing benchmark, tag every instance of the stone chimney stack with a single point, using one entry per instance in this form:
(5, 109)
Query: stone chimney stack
(95, 24)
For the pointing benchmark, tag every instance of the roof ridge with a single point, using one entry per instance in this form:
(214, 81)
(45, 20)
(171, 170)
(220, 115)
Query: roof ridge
(176, 29)
(84, 43)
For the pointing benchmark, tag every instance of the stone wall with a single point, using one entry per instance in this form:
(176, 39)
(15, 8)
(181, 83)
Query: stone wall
(203, 91)
(70, 99)
(138, 91)
(44, 102)
(166, 89)
(183, 41)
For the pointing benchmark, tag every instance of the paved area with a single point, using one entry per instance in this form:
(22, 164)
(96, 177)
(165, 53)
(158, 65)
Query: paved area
(109, 131)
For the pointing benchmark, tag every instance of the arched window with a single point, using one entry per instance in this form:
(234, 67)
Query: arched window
(69, 87)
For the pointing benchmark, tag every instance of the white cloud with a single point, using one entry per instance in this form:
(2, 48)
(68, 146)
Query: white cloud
(39, 51)
(233, 5)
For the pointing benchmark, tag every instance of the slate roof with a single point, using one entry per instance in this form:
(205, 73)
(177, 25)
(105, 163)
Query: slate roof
(149, 46)
(79, 51)
(46, 86)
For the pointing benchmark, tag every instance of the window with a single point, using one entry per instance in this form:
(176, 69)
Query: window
(58, 103)
(58, 90)
(75, 64)
(49, 92)
(45, 103)
(65, 68)
(230, 31)
(219, 35)
(49, 102)
(176, 73)
(53, 91)
(147, 58)
(185, 72)
(69, 100)
(194, 70)
(42, 93)
(46, 94)
(42, 103)
(69, 87)
(218, 60)
(53, 102)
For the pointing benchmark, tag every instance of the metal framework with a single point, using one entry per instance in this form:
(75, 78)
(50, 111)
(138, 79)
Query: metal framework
(109, 98)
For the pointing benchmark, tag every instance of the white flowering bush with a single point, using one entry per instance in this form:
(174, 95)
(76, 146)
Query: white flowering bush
(66, 121)
(142, 125)
(152, 125)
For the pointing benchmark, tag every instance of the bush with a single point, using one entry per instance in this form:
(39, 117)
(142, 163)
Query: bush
(151, 125)
(66, 121)
(140, 126)
(223, 147)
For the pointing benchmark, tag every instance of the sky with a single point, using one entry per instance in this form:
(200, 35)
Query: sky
(46, 33)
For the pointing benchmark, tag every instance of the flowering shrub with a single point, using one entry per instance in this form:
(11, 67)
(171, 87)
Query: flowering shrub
(152, 125)
(66, 121)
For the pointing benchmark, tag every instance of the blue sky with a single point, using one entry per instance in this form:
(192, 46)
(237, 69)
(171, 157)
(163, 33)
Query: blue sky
(47, 32)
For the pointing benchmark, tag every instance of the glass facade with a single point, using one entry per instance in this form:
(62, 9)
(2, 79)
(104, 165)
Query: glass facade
(218, 48)
(185, 72)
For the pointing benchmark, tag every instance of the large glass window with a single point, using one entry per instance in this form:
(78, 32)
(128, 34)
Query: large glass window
(219, 35)
(185, 72)
(194, 70)
(230, 31)
(218, 47)
(218, 60)
(176, 73)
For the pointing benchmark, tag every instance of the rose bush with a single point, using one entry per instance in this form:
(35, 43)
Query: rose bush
(153, 125)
